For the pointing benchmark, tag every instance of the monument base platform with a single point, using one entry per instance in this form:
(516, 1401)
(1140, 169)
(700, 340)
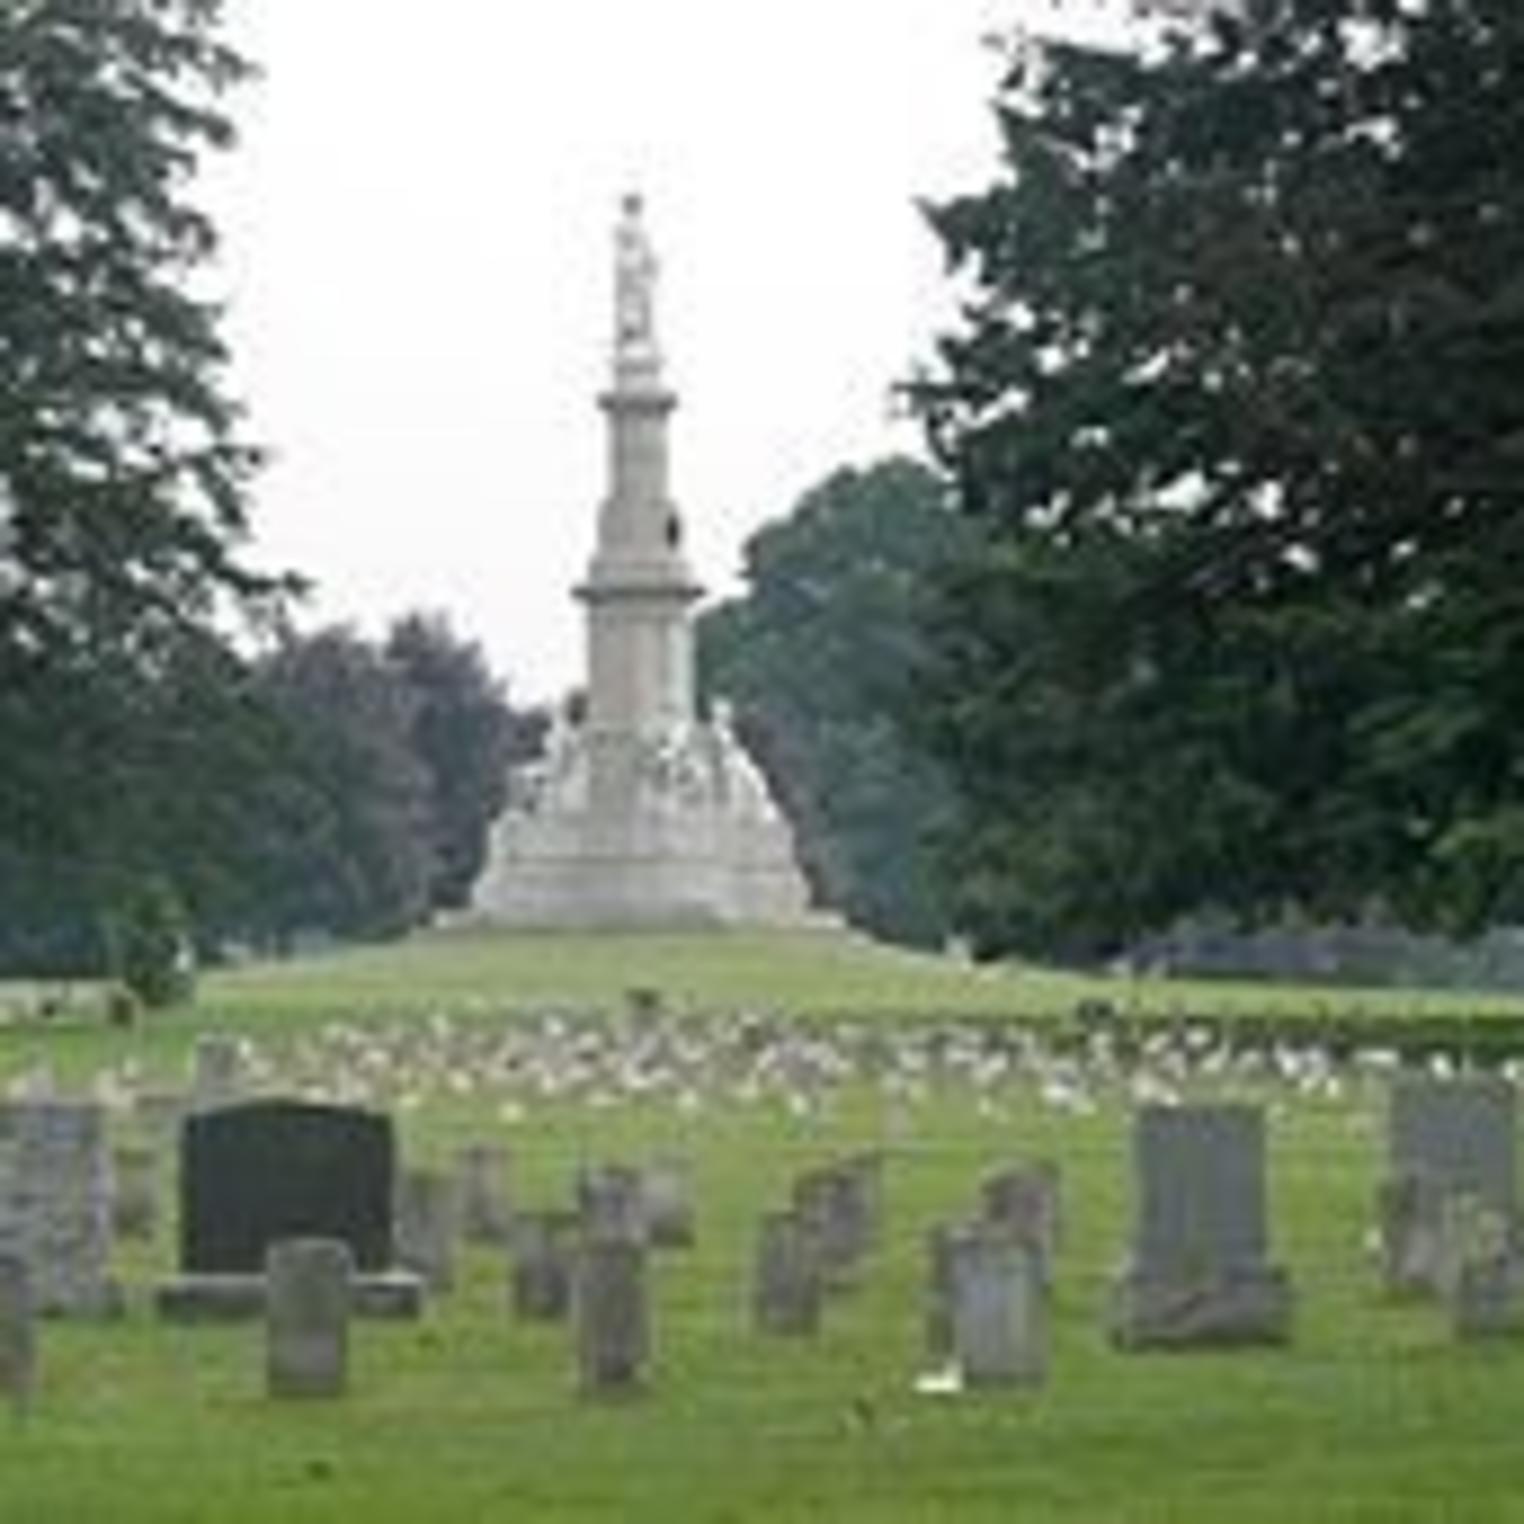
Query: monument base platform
(1241, 1305)
(389, 1294)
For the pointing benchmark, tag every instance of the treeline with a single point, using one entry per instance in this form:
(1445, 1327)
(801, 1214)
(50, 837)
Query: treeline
(343, 788)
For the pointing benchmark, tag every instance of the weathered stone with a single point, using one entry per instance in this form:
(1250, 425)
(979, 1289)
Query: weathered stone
(1024, 1202)
(543, 1272)
(666, 1189)
(613, 1317)
(486, 1209)
(834, 1204)
(1198, 1271)
(787, 1283)
(426, 1227)
(1459, 1130)
(999, 1309)
(135, 1191)
(161, 1113)
(18, 1332)
(217, 1072)
(55, 1203)
(1410, 1208)
(1446, 1139)
(307, 1317)
(612, 1203)
(941, 1240)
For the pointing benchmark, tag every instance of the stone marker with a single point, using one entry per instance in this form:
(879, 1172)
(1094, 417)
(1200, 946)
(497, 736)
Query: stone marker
(666, 1190)
(940, 1241)
(1410, 1209)
(307, 1317)
(486, 1212)
(613, 1320)
(1024, 1202)
(999, 1318)
(1198, 1270)
(612, 1204)
(1445, 1137)
(787, 1283)
(427, 1223)
(55, 1203)
(161, 1113)
(135, 1191)
(1480, 1272)
(543, 1271)
(18, 1335)
(835, 1205)
(216, 1072)
(255, 1174)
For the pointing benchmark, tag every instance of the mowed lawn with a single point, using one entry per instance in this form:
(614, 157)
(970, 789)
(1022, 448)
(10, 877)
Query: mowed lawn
(1373, 1412)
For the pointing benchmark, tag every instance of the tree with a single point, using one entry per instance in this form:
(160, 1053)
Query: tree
(340, 840)
(1238, 405)
(815, 656)
(123, 478)
(467, 736)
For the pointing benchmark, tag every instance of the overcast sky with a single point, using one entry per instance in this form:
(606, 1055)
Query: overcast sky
(418, 227)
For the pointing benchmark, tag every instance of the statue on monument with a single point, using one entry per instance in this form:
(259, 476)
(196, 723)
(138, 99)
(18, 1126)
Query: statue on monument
(635, 271)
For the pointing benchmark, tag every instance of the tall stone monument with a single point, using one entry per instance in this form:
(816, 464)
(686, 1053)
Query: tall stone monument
(640, 813)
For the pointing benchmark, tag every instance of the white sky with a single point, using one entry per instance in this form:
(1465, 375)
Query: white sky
(418, 226)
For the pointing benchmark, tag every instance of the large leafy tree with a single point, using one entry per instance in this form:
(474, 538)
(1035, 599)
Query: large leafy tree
(815, 655)
(1238, 405)
(340, 839)
(467, 735)
(123, 476)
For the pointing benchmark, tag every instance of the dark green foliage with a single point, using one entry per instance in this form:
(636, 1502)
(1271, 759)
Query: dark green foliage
(467, 736)
(1238, 402)
(123, 479)
(816, 657)
(149, 944)
(341, 839)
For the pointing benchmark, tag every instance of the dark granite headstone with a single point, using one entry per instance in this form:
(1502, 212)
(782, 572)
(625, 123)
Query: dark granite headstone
(255, 1174)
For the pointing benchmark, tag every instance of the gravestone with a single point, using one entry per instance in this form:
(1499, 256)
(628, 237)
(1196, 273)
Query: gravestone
(1445, 1138)
(999, 1321)
(160, 1114)
(135, 1191)
(543, 1271)
(307, 1317)
(1198, 1271)
(611, 1201)
(666, 1190)
(938, 1324)
(55, 1203)
(835, 1204)
(427, 1223)
(216, 1072)
(255, 1174)
(18, 1333)
(486, 1211)
(1410, 1209)
(1024, 1202)
(613, 1318)
(787, 1283)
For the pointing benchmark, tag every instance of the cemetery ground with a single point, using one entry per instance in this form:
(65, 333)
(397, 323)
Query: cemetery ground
(765, 1056)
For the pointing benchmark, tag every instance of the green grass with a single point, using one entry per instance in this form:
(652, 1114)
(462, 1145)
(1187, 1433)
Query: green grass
(1373, 1413)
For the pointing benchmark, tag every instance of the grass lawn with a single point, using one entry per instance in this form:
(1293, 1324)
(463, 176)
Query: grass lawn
(1373, 1413)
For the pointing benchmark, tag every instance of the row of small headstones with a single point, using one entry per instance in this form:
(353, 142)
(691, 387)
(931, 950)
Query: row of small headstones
(1435, 1236)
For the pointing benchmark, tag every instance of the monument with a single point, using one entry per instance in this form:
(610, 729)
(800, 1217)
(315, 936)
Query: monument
(641, 812)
